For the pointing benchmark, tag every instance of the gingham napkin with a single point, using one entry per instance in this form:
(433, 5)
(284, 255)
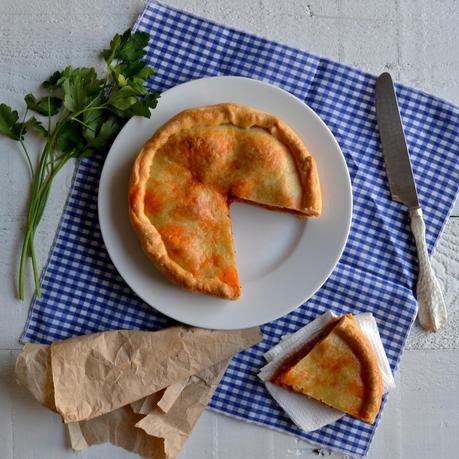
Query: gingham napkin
(82, 291)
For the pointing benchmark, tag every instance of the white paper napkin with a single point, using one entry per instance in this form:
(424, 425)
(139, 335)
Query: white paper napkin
(306, 413)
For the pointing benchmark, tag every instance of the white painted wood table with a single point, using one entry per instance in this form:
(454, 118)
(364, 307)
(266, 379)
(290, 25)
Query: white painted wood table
(416, 40)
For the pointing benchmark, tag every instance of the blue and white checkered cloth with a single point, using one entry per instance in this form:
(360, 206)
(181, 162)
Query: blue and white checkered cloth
(83, 293)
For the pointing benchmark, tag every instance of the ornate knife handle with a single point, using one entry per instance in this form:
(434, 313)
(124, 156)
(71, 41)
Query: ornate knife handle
(432, 308)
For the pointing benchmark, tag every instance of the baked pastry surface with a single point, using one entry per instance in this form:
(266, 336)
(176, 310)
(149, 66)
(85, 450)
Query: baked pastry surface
(339, 369)
(187, 174)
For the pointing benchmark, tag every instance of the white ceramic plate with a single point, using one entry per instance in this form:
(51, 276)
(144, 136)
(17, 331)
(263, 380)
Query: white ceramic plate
(282, 261)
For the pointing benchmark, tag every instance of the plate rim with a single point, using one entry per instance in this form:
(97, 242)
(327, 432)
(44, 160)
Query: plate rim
(345, 236)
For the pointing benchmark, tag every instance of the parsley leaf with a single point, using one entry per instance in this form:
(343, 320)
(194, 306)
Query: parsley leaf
(132, 46)
(37, 126)
(137, 69)
(92, 121)
(9, 125)
(68, 139)
(47, 106)
(128, 47)
(80, 86)
(109, 54)
(144, 106)
(123, 98)
(107, 132)
(51, 82)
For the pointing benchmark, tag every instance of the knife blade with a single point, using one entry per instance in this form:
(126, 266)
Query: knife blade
(396, 155)
(432, 312)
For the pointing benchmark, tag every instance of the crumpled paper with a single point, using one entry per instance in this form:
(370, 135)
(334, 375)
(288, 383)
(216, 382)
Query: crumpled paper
(143, 391)
(309, 414)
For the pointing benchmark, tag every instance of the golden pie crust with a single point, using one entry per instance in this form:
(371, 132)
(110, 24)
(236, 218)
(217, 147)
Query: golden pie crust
(339, 368)
(187, 174)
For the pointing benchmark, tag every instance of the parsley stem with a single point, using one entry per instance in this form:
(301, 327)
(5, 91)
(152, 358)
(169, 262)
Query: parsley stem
(88, 108)
(29, 162)
(49, 112)
(38, 179)
(41, 187)
(41, 206)
(21, 132)
(31, 218)
(36, 209)
(43, 192)
(36, 277)
(25, 247)
(83, 124)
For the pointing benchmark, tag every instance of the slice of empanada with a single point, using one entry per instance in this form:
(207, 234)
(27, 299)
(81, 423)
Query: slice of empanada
(338, 368)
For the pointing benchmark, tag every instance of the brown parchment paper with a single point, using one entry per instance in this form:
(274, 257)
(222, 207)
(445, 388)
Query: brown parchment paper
(146, 404)
(177, 424)
(170, 395)
(158, 435)
(98, 373)
(33, 370)
(117, 428)
(163, 399)
(143, 391)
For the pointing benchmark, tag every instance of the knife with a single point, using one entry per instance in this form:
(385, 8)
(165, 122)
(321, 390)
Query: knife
(431, 304)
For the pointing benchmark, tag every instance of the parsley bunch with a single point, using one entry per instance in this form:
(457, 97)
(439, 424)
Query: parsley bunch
(82, 116)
